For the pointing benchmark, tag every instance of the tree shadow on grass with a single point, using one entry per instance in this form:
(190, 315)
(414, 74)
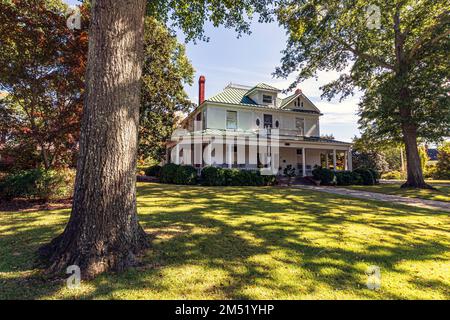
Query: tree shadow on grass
(236, 243)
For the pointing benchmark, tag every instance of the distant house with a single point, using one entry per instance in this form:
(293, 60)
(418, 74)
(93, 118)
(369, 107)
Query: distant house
(432, 154)
(242, 113)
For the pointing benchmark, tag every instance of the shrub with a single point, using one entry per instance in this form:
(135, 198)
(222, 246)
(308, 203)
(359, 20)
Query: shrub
(357, 179)
(430, 171)
(344, 178)
(185, 175)
(394, 175)
(366, 175)
(326, 176)
(443, 163)
(37, 184)
(269, 180)
(153, 171)
(212, 176)
(375, 174)
(168, 173)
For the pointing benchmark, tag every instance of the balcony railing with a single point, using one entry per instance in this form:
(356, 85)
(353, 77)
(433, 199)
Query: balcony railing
(283, 132)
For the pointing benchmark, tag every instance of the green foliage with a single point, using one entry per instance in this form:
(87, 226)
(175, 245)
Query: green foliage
(168, 173)
(443, 164)
(37, 184)
(347, 178)
(394, 175)
(178, 174)
(191, 15)
(423, 157)
(214, 176)
(366, 175)
(43, 74)
(405, 91)
(153, 171)
(166, 70)
(185, 175)
(324, 175)
(382, 156)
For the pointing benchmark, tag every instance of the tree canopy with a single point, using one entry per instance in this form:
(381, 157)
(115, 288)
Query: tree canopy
(166, 70)
(42, 70)
(395, 51)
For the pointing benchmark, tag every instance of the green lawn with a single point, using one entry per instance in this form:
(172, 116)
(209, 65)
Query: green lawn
(249, 243)
(442, 193)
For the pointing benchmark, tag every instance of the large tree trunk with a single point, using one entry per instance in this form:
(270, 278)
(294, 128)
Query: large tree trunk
(414, 167)
(103, 232)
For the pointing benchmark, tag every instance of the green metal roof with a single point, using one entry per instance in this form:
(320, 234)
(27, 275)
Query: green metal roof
(233, 96)
(240, 96)
(264, 87)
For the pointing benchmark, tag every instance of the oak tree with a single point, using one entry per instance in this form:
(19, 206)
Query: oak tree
(103, 232)
(394, 51)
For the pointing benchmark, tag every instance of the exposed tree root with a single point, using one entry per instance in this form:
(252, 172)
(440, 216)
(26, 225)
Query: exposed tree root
(93, 257)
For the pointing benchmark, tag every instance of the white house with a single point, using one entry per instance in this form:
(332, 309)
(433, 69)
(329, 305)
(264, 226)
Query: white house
(225, 125)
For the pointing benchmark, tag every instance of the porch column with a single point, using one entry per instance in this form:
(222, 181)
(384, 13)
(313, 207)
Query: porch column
(177, 154)
(334, 159)
(303, 162)
(346, 160)
(349, 160)
(229, 155)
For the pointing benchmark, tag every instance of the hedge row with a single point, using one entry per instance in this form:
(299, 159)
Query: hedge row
(360, 176)
(213, 176)
(210, 176)
(37, 184)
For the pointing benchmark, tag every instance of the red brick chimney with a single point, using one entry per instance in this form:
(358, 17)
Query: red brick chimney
(201, 90)
(298, 91)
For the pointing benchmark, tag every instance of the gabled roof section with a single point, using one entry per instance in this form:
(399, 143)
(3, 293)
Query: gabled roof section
(286, 101)
(264, 87)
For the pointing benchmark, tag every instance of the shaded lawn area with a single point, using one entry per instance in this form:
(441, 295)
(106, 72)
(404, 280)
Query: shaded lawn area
(249, 243)
(442, 193)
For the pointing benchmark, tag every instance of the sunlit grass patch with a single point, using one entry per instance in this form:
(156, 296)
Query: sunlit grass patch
(249, 243)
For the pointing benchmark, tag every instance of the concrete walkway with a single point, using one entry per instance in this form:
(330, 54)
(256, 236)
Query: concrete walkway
(415, 202)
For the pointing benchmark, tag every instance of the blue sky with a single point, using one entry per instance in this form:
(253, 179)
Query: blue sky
(252, 59)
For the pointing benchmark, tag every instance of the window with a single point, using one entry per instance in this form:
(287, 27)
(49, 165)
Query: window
(204, 119)
(277, 124)
(267, 99)
(300, 125)
(232, 120)
(267, 121)
(299, 152)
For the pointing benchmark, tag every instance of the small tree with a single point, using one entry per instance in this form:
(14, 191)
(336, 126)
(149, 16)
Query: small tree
(42, 70)
(443, 164)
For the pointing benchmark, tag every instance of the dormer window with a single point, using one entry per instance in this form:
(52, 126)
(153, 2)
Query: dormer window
(267, 99)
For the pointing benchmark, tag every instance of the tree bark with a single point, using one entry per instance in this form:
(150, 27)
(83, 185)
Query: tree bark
(413, 164)
(103, 232)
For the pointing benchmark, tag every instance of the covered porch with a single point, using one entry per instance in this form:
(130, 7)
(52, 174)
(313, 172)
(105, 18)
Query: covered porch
(247, 153)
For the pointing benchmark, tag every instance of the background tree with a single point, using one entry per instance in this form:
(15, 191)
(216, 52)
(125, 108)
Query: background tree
(103, 232)
(443, 163)
(400, 62)
(42, 70)
(166, 70)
